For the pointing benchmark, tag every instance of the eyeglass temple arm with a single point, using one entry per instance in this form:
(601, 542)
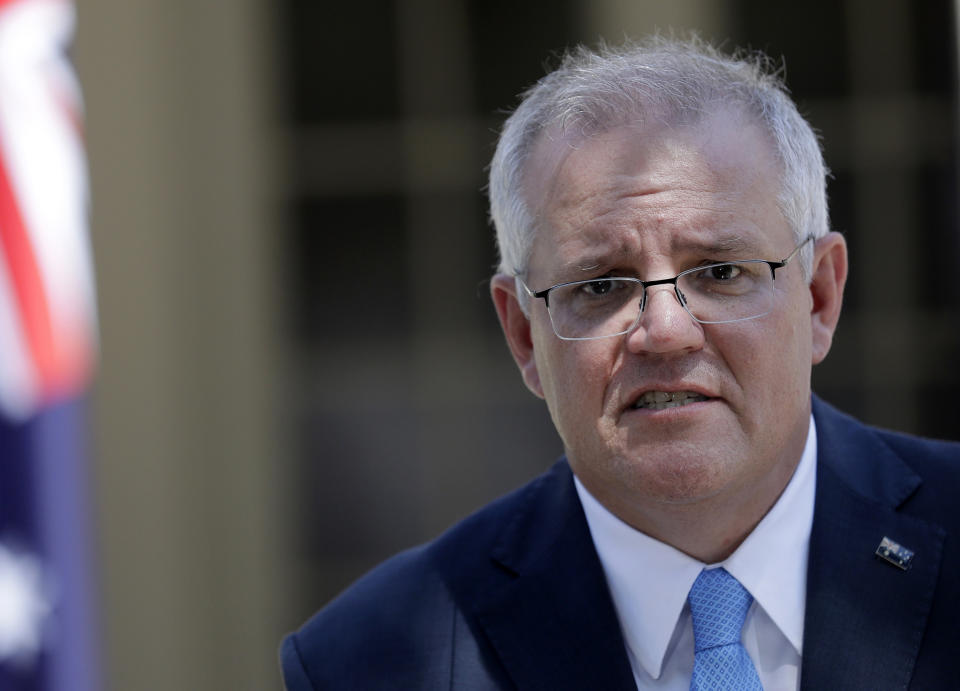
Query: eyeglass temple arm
(543, 294)
(783, 262)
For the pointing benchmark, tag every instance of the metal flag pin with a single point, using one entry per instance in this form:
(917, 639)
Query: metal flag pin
(894, 553)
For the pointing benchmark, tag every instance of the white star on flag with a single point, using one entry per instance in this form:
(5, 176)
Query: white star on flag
(24, 606)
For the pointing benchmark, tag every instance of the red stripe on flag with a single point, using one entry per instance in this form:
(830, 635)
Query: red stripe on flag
(4, 3)
(28, 288)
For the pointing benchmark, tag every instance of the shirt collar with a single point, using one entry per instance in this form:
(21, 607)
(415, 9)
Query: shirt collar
(771, 563)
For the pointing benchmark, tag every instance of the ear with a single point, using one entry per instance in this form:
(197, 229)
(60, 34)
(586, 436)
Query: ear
(516, 329)
(826, 288)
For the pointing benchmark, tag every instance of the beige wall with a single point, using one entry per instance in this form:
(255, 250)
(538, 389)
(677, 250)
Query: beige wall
(182, 165)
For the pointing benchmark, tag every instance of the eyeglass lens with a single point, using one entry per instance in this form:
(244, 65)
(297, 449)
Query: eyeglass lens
(719, 293)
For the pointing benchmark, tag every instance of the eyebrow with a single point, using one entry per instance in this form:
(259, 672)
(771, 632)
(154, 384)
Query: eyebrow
(733, 244)
(725, 246)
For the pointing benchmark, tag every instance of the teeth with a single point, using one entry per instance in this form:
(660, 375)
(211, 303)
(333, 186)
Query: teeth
(660, 400)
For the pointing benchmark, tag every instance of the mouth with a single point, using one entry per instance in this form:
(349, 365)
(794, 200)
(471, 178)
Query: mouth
(661, 400)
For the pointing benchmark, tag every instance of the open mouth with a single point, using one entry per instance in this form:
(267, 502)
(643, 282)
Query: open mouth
(661, 400)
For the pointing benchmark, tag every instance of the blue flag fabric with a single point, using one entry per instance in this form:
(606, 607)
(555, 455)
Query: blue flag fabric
(48, 616)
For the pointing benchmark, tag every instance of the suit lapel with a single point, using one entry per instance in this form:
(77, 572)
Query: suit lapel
(865, 617)
(551, 620)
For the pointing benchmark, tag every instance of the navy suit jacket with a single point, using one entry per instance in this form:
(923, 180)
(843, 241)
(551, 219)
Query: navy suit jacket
(514, 597)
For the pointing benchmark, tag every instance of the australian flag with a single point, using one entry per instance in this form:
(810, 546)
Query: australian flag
(48, 627)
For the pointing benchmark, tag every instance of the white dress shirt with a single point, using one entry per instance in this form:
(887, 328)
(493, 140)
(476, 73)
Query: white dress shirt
(649, 581)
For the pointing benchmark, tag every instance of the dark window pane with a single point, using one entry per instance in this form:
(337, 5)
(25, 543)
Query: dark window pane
(348, 263)
(511, 45)
(935, 45)
(840, 197)
(816, 67)
(939, 241)
(936, 403)
(341, 60)
(359, 494)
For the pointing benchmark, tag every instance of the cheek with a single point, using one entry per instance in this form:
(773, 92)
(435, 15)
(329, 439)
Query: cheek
(795, 351)
(769, 359)
(776, 375)
(575, 377)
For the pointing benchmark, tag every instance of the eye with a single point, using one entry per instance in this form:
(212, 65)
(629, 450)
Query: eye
(597, 293)
(722, 272)
(600, 287)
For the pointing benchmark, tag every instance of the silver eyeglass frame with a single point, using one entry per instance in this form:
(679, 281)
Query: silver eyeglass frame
(545, 294)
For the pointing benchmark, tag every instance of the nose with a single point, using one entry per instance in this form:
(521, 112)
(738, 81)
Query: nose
(664, 325)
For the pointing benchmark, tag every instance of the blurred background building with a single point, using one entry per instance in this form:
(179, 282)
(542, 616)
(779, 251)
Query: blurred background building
(301, 371)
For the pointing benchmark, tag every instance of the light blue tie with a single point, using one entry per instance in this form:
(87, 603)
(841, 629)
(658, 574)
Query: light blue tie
(719, 607)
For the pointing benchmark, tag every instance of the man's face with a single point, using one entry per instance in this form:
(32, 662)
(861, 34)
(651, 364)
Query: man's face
(649, 204)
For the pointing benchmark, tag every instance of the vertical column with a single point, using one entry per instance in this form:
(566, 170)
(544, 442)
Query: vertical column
(179, 133)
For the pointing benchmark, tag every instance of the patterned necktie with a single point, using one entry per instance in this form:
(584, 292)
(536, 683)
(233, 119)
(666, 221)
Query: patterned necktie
(719, 607)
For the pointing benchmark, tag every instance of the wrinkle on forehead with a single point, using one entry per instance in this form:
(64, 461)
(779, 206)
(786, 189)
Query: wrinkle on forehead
(717, 138)
(667, 191)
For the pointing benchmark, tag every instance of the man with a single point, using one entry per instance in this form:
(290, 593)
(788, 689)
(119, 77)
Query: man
(668, 279)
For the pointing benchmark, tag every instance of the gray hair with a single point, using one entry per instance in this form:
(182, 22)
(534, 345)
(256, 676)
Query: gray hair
(678, 81)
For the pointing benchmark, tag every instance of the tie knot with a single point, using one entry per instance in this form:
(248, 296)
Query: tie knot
(718, 605)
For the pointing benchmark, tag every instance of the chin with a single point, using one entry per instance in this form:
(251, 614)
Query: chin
(675, 477)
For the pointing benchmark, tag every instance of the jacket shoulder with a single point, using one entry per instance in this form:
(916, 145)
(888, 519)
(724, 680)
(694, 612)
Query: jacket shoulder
(938, 453)
(917, 475)
(937, 462)
(375, 631)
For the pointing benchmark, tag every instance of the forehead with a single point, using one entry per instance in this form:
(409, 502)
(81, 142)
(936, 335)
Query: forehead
(637, 190)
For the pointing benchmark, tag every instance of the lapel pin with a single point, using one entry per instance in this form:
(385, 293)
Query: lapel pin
(894, 553)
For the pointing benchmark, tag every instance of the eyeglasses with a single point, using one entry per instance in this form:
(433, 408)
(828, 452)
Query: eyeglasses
(713, 294)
